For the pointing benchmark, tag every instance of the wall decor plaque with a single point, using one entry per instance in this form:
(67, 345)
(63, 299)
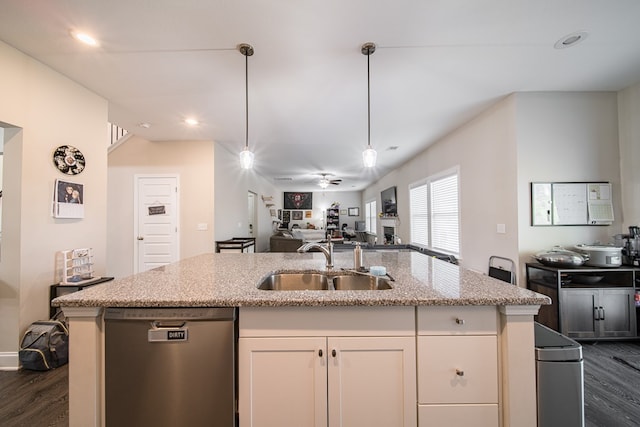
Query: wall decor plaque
(68, 159)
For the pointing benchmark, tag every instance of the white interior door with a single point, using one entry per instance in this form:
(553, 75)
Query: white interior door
(156, 221)
(251, 221)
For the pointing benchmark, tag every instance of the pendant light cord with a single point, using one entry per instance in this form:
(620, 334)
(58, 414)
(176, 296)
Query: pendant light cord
(368, 100)
(246, 101)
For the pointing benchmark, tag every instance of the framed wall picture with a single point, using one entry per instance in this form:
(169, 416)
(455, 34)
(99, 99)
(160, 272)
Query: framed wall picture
(296, 215)
(302, 201)
(68, 199)
(354, 211)
(343, 211)
(307, 214)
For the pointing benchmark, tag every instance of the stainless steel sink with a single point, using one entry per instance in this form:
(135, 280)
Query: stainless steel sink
(360, 283)
(315, 281)
(295, 282)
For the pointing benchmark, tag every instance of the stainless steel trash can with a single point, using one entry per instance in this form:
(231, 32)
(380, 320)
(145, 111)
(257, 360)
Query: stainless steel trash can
(559, 379)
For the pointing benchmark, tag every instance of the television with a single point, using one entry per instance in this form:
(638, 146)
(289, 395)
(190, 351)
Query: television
(389, 206)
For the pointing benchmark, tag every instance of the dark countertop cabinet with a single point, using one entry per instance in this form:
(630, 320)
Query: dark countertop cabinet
(588, 303)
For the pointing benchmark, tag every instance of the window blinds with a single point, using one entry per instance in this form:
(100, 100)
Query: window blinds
(444, 214)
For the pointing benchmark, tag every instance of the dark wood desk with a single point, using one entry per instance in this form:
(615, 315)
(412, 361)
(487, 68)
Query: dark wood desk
(58, 290)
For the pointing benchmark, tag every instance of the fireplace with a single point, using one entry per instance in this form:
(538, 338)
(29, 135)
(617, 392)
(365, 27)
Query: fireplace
(388, 233)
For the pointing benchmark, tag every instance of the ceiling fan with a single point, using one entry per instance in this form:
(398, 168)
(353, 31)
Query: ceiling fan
(324, 181)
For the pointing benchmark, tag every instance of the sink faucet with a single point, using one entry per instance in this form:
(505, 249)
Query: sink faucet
(327, 250)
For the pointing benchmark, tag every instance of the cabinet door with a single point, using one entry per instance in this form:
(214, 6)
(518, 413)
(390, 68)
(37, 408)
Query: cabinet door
(282, 382)
(579, 308)
(372, 382)
(476, 415)
(617, 315)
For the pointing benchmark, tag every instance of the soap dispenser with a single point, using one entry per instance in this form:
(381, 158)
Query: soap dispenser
(357, 257)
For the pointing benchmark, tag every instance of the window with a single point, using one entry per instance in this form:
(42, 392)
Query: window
(433, 206)
(370, 216)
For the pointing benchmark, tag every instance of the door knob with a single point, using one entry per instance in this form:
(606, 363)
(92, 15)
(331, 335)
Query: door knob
(140, 238)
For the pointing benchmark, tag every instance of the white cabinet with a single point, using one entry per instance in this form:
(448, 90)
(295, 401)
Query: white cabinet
(331, 378)
(457, 359)
(283, 381)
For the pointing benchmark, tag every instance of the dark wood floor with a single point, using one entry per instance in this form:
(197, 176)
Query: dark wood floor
(611, 387)
(612, 391)
(34, 399)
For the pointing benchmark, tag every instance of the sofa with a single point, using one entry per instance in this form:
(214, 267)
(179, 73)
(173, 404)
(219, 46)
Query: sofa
(290, 241)
(283, 241)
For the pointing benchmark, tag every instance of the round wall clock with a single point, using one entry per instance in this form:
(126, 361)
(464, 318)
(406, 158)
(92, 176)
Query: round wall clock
(68, 160)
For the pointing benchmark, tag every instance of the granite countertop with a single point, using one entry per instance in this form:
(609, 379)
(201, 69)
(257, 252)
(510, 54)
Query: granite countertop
(230, 280)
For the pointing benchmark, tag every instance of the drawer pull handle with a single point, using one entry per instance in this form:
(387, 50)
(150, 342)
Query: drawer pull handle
(320, 352)
(459, 373)
(333, 352)
(459, 321)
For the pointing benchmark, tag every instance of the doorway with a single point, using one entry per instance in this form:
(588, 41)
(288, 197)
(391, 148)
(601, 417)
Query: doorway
(156, 214)
(252, 215)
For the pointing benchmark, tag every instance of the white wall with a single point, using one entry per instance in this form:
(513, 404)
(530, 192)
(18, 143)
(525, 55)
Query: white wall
(193, 162)
(46, 110)
(484, 149)
(566, 137)
(231, 199)
(524, 138)
(629, 127)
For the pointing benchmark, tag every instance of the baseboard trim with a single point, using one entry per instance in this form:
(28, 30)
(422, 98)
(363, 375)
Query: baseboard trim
(9, 361)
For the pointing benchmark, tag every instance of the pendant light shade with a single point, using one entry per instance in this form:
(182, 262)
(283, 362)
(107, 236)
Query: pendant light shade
(246, 155)
(369, 155)
(246, 158)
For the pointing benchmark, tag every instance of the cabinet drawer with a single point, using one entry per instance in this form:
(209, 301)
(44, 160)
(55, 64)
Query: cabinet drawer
(459, 369)
(472, 320)
(457, 415)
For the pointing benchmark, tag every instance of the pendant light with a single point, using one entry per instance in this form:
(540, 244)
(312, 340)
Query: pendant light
(246, 155)
(369, 155)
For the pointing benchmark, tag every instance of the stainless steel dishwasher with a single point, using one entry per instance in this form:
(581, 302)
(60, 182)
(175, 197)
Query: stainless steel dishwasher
(170, 367)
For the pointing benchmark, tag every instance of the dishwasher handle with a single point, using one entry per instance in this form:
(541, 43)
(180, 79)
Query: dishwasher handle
(168, 331)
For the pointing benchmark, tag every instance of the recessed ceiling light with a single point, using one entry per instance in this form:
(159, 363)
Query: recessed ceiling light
(191, 121)
(144, 125)
(571, 40)
(84, 38)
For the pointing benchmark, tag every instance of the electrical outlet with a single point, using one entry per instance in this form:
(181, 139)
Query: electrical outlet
(501, 229)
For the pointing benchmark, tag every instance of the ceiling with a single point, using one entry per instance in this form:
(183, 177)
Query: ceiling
(437, 64)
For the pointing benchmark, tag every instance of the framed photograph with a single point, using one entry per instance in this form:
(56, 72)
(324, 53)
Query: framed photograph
(272, 212)
(68, 199)
(307, 214)
(296, 215)
(286, 216)
(354, 211)
(343, 211)
(298, 201)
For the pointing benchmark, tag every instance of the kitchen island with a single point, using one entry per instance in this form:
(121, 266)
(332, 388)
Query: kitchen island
(426, 294)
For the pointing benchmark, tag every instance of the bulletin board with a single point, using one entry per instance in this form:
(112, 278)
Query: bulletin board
(571, 203)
